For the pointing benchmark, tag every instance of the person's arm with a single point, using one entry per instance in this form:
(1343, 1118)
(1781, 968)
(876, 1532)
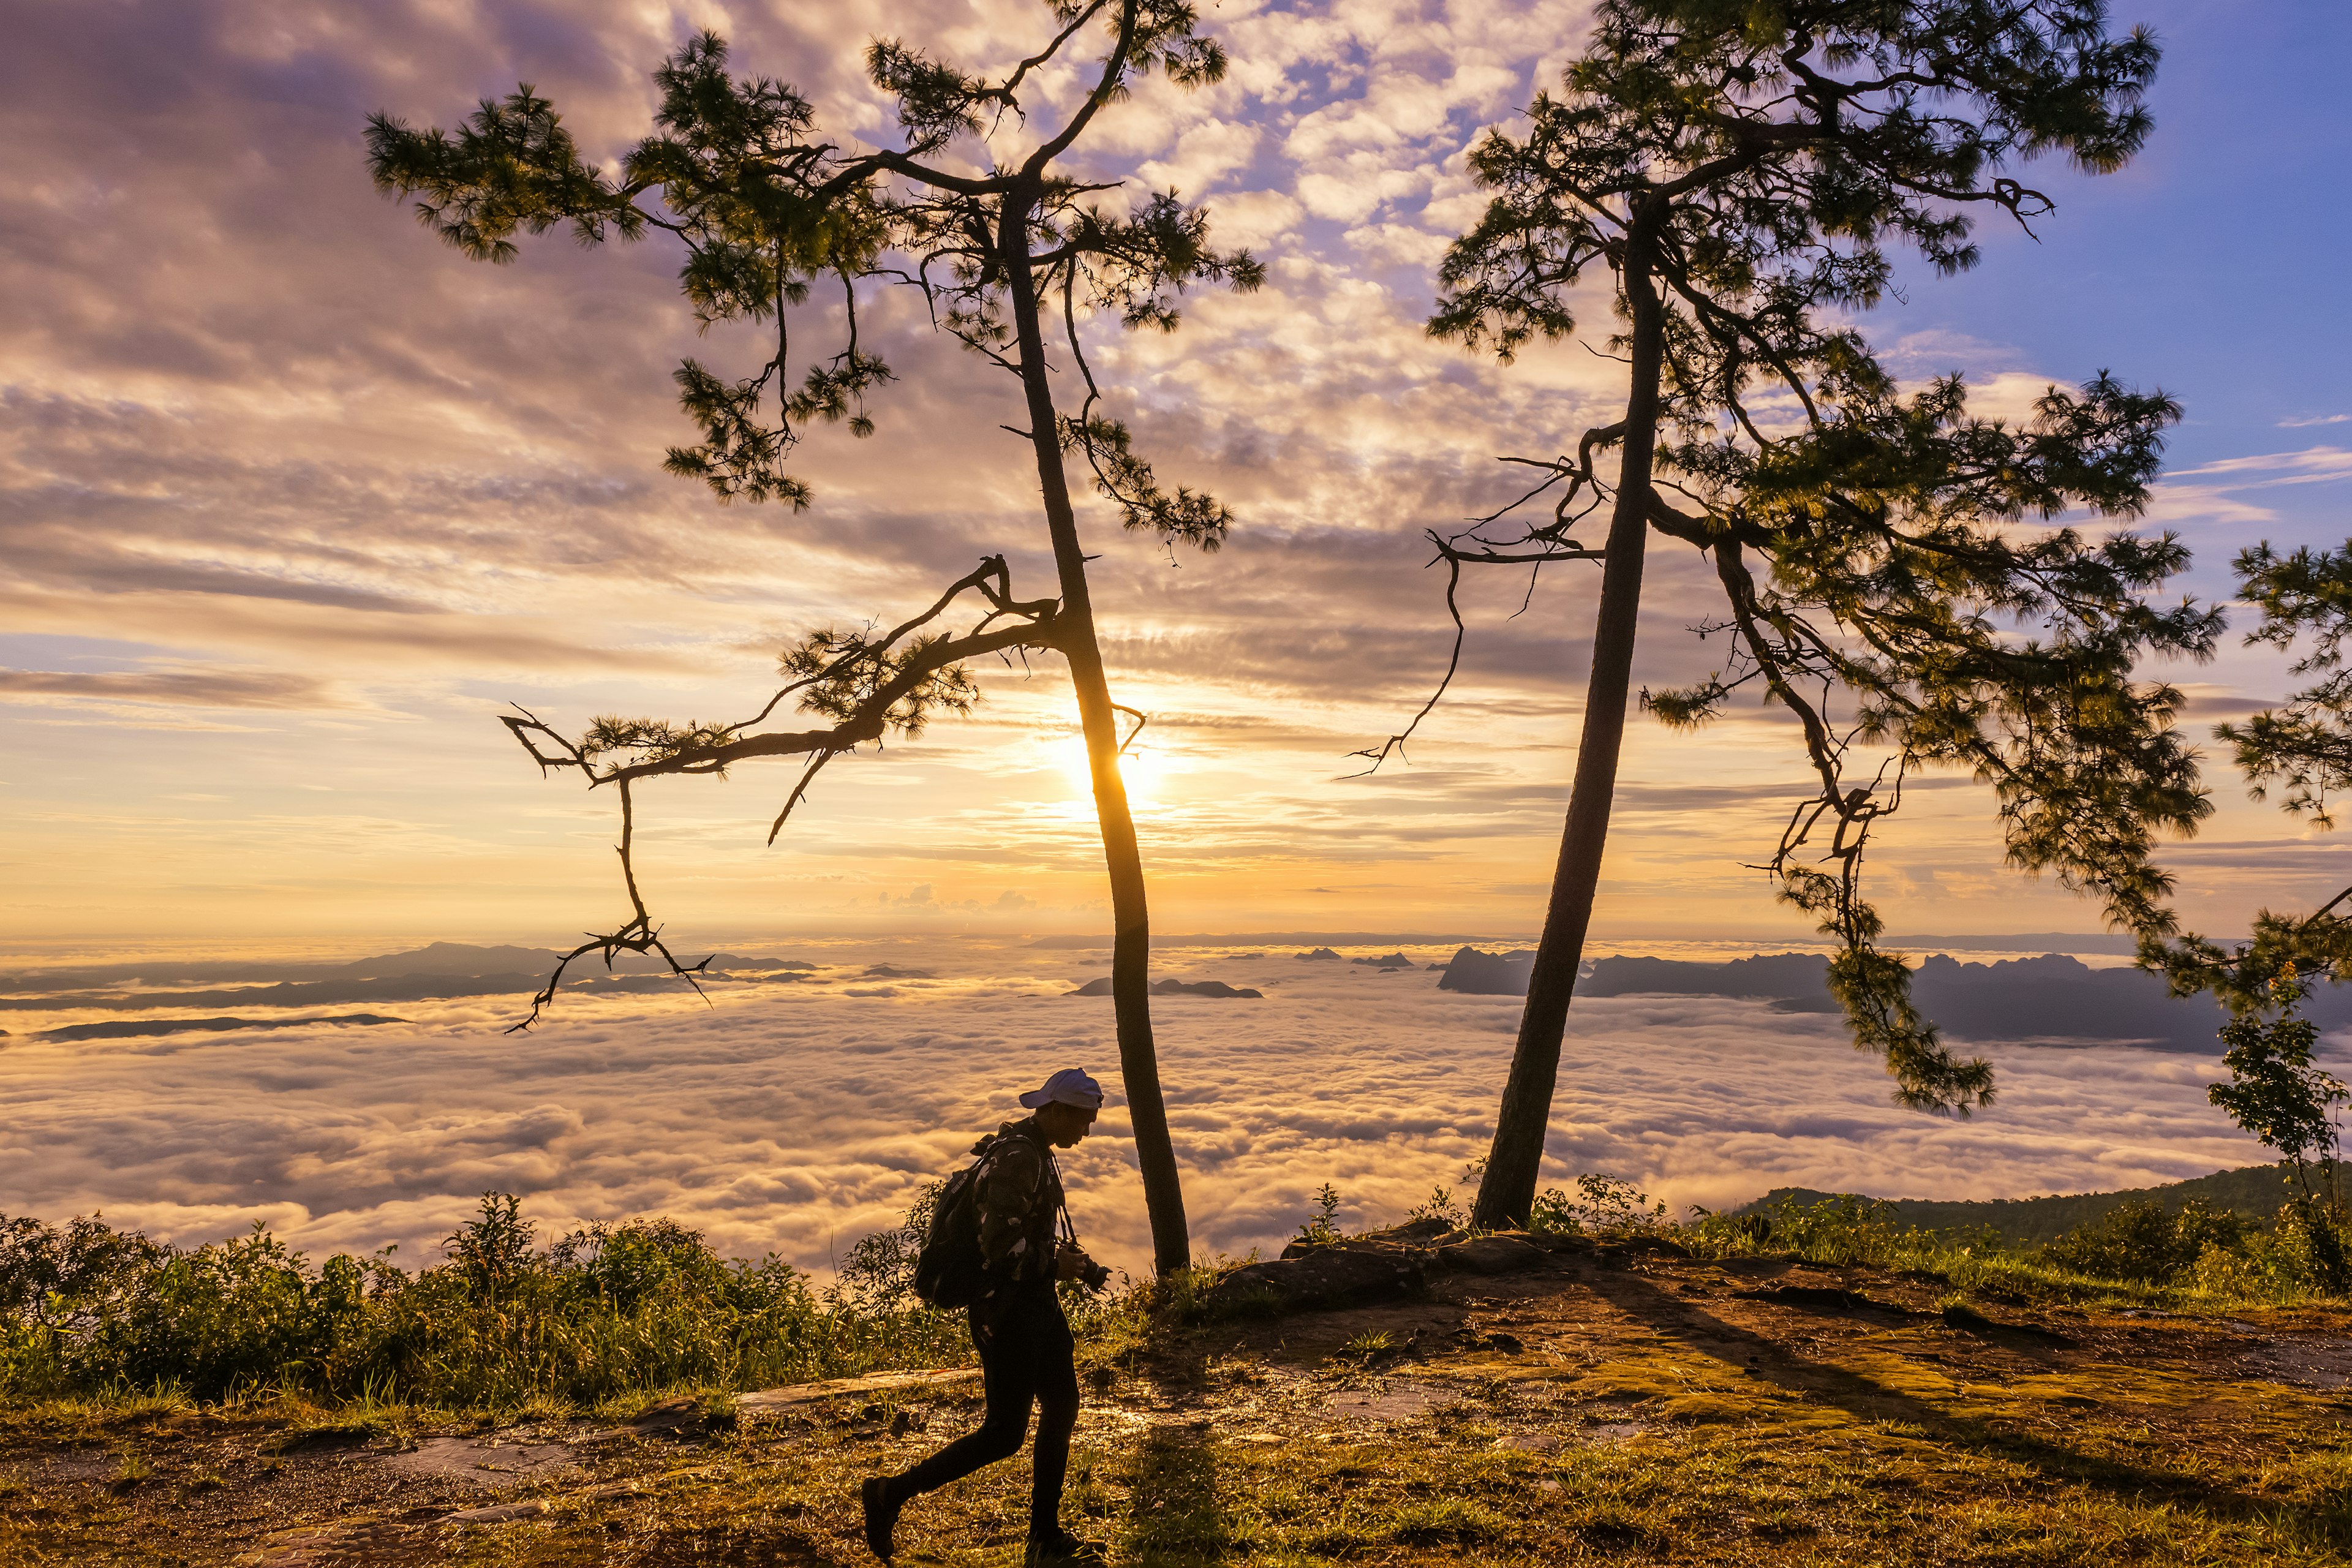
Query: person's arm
(1009, 1191)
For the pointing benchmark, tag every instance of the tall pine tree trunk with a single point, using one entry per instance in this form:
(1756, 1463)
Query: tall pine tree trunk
(1139, 1061)
(1515, 1162)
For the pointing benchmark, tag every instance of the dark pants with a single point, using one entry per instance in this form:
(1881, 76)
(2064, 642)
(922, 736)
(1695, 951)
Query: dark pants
(1026, 1357)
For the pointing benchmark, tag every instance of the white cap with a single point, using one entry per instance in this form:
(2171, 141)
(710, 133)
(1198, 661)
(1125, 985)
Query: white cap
(1071, 1086)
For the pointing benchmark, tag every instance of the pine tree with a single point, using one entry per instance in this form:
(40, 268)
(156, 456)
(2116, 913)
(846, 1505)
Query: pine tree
(2303, 749)
(767, 209)
(1744, 171)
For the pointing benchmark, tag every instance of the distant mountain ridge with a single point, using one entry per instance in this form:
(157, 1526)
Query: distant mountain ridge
(2053, 996)
(2254, 1191)
(437, 971)
(2104, 942)
(457, 958)
(1266, 939)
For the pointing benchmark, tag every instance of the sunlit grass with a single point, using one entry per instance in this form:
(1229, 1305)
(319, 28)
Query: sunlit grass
(1759, 1491)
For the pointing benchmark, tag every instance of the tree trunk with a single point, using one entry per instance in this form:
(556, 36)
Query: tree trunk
(1138, 1062)
(1515, 1162)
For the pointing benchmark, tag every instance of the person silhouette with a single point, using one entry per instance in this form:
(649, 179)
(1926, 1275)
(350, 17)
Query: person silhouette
(1026, 1355)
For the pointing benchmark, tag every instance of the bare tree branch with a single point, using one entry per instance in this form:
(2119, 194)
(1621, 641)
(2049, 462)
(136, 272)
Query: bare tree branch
(872, 685)
(1141, 718)
(640, 935)
(1395, 742)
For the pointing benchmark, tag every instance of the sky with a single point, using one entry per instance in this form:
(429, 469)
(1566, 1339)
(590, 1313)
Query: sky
(294, 500)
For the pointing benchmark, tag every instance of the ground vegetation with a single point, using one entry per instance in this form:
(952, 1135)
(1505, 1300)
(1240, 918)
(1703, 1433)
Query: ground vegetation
(646, 1307)
(1824, 1386)
(507, 1317)
(2029, 1221)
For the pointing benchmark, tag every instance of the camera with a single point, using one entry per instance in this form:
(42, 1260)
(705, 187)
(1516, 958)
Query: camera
(1093, 1276)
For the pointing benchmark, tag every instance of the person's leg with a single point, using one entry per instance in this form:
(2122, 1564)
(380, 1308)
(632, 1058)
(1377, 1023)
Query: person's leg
(1008, 1376)
(1008, 1368)
(1056, 1384)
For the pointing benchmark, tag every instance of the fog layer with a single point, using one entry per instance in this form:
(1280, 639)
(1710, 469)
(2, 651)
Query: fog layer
(795, 1114)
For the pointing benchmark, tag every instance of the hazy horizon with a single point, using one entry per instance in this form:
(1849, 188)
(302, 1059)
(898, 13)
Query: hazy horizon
(67, 951)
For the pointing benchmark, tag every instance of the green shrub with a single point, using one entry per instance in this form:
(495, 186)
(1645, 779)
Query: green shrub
(600, 1312)
(879, 1272)
(2144, 1241)
(2137, 1247)
(2307, 1247)
(1322, 1228)
(1441, 1206)
(1600, 1205)
(1843, 1230)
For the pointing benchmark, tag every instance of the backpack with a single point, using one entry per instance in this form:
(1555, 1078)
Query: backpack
(950, 1271)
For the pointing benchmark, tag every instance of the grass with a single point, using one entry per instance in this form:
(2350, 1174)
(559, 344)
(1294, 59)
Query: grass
(1888, 1460)
(1969, 1487)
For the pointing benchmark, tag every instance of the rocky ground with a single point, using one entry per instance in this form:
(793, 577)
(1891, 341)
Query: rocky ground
(1623, 1405)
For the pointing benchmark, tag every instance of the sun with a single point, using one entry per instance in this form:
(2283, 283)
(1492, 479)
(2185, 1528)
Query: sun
(1143, 768)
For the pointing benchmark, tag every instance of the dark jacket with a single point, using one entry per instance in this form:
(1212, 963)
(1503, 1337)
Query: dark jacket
(1020, 1194)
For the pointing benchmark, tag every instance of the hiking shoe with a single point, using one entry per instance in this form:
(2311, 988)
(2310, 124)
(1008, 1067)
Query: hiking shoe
(881, 1514)
(1061, 1549)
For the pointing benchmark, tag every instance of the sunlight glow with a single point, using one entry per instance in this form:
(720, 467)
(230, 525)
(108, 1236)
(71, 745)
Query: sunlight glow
(1144, 769)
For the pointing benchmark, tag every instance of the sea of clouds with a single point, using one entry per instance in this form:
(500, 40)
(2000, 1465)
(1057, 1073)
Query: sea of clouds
(796, 1116)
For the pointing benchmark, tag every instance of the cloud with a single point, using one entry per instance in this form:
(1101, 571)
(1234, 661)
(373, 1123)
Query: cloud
(2216, 492)
(1253, 220)
(2305, 423)
(1398, 245)
(799, 1118)
(202, 689)
(1205, 154)
(2311, 464)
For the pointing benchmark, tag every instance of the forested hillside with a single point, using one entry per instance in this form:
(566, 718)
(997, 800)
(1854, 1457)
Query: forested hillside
(2255, 1191)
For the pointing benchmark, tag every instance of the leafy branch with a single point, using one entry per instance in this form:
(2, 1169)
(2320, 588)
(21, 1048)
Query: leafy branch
(2303, 747)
